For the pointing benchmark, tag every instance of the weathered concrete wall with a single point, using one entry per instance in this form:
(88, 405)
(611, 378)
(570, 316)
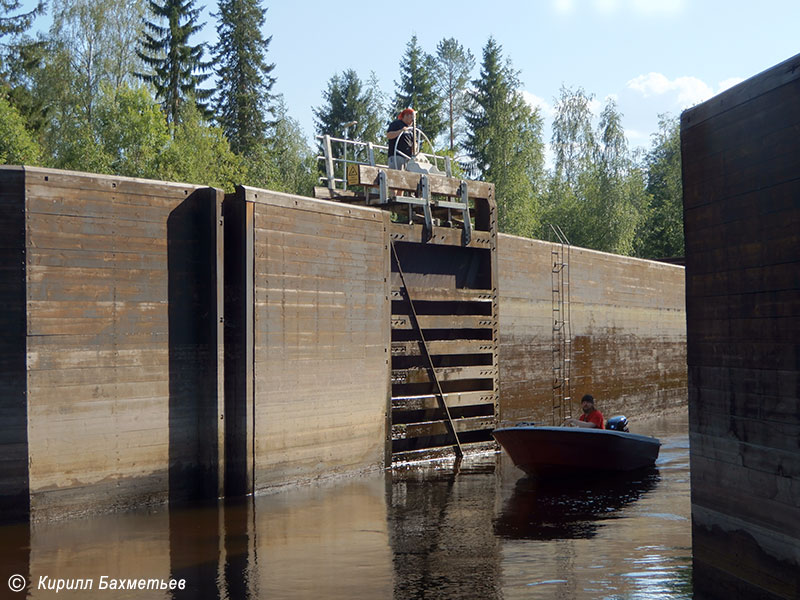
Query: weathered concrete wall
(741, 160)
(112, 370)
(628, 329)
(320, 327)
(120, 370)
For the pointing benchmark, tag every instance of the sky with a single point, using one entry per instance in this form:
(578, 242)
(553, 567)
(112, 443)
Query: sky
(650, 56)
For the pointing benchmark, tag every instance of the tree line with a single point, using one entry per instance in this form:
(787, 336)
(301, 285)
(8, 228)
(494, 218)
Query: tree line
(121, 87)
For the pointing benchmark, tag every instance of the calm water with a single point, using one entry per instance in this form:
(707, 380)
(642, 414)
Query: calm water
(479, 531)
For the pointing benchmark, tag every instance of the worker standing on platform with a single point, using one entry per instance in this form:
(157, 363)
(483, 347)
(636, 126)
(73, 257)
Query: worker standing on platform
(591, 417)
(401, 139)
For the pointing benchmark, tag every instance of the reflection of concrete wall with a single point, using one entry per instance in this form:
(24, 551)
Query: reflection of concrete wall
(441, 530)
(121, 390)
(310, 542)
(628, 328)
(741, 159)
(120, 546)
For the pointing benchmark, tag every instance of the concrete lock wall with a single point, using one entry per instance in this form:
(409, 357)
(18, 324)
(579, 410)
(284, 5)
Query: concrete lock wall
(741, 159)
(130, 374)
(319, 316)
(111, 373)
(628, 329)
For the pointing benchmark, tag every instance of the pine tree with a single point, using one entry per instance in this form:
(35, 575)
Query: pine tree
(504, 140)
(244, 90)
(453, 67)
(177, 68)
(417, 90)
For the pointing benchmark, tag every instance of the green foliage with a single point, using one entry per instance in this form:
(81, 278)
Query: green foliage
(453, 67)
(23, 64)
(284, 163)
(12, 24)
(177, 68)
(573, 139)
(97, 40)
(348, 99)
(417, 90)
(662, 234)
(17, 146)
(597, 192)
(245, 84)
(199, 153)
(134, 132)
(504, 140)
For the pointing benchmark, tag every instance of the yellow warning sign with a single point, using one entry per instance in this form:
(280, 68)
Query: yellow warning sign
(352, 174)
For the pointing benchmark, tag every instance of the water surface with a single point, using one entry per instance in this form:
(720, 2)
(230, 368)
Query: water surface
(481, 529)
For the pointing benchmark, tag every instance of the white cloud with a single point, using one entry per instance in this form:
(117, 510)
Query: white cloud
(647, 8)
(534, 101)
(606, 6)
(659, 8)
(688, 91)
(636, 137)
(728, 83)
(595, 106)
(564, 6)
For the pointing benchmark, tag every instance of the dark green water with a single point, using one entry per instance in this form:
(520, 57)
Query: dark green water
(479, 530)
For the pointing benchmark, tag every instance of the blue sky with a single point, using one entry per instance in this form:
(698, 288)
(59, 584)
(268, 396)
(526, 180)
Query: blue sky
(651, 56)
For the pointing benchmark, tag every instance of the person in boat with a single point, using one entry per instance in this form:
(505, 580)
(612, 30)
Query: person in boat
(400, 139)
(591, 417)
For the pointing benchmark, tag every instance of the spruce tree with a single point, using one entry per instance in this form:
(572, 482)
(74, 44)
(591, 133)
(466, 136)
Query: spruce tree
(504, 140)
(417, 90)
(244, 90)
(348, 99)
(177, 68)
(13, 24)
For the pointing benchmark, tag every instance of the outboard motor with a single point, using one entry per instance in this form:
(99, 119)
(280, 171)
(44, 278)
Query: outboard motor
(618, 423)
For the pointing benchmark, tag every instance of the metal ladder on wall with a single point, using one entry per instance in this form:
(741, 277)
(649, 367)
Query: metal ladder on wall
(562, 329)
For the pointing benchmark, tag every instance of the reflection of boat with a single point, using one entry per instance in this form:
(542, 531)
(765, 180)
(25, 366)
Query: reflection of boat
(563, 451)
(546, 509)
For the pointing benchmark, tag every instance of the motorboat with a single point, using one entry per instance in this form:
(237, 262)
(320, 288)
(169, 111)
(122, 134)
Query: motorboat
(567, 451)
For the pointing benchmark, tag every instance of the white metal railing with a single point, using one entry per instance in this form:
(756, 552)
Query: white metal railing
(364, 153)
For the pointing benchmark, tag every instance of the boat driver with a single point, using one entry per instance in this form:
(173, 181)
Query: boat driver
(591, 417)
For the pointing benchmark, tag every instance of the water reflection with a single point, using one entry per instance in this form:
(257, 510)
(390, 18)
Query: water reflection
(568, 509)
(441, 535)
(478, 529)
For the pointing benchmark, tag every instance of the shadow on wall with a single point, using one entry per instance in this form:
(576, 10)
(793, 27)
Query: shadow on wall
(193, 361)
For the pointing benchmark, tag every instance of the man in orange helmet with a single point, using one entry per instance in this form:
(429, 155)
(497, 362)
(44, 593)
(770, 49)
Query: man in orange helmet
(400, 136)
